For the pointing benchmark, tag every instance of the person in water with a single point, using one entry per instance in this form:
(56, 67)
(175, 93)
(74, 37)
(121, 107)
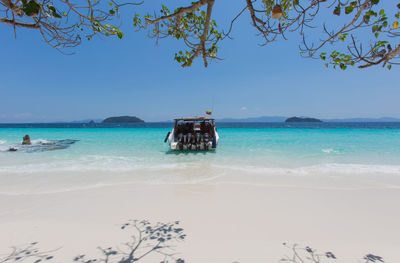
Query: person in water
(26, 140)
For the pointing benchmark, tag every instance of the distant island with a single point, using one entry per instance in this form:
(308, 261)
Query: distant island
(282, 119)
(299, 119)
(122, 119)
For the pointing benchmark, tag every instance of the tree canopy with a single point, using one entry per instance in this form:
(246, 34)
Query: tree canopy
(361, 33)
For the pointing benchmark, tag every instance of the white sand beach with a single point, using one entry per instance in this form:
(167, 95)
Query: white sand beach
(224, 221)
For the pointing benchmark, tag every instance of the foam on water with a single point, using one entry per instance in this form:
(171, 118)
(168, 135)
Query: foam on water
(329, 150)
(101, 157)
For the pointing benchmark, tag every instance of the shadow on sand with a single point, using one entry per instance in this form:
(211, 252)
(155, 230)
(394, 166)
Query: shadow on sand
(158, 240)
(307, 254)
(146, 239)
(29, 252)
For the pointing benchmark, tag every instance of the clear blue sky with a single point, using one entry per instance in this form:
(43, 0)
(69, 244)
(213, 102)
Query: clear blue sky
(112, 77)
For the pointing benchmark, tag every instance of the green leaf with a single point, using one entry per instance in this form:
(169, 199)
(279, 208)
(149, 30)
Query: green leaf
(30, 8)
(120, 35)
(112, 12)
(343, 36)
(53, 11)
(389, 67)
(348, 9)
(337, 11)
(374, 2)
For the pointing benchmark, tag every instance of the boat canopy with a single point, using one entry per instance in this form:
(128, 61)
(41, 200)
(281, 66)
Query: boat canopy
(194, 119)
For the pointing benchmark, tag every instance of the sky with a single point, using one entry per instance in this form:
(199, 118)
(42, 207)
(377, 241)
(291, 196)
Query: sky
(133, 76)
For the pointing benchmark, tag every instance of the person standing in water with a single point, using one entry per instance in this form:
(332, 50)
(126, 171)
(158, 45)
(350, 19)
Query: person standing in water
(26, 140)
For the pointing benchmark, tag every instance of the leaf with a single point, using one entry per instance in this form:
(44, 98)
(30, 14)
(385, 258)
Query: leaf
(396, 24)
(30, 8)
(120, 34)
(53, 11)
(366, 19)
(337, 11)
(348, 9)
(374, 2)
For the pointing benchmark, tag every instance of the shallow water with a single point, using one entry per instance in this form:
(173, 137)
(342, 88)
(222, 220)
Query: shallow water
(103, 156)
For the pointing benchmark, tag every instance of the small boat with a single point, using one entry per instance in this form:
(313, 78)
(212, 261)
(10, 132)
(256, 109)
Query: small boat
(193, 134)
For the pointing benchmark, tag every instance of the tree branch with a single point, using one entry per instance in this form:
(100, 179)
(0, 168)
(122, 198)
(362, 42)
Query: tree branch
(205, 32)
(181, 11)
(388, 56)
(13, 7)
(14, 23)
(333, 36)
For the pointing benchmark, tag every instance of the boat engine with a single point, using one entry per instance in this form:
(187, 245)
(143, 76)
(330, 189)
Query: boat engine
(198, 141)
(180, 141)
(206, 139)
(189, 141)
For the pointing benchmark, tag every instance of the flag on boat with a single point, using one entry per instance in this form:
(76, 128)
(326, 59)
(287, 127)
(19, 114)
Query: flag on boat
(208, 112)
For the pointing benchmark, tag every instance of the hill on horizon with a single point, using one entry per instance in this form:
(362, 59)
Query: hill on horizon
(282, 119)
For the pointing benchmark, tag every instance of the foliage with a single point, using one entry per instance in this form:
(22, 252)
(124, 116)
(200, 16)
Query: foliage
(341, 47)
(363, 33)
(64, 23)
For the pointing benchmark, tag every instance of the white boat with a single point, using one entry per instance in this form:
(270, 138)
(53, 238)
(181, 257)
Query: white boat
(193, 134)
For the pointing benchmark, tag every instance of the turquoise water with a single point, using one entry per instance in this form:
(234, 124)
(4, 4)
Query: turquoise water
(139, 154)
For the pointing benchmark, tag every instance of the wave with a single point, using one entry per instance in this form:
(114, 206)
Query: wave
(319, 169)
(126, 164)
(329, 150)
(39, 141)
(102, 171)
(37, 145)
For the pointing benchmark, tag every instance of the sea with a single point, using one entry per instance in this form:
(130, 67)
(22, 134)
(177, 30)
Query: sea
(82, 156)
